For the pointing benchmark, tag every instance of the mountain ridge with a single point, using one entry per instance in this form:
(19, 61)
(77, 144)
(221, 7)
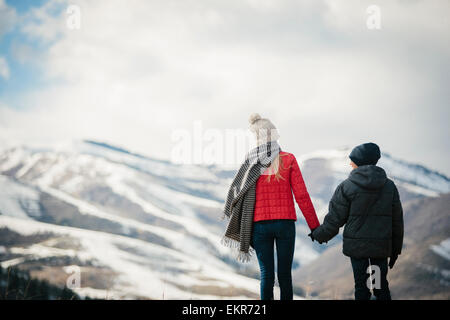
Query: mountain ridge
(112, 192)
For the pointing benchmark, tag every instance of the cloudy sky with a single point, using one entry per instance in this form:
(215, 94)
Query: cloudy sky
(136, 71)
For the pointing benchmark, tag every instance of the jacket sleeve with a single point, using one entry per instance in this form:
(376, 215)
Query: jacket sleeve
(397, 224)
(302, 196)
(338, 211)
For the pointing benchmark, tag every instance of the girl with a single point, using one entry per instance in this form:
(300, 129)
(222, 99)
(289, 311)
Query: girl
(261, 208)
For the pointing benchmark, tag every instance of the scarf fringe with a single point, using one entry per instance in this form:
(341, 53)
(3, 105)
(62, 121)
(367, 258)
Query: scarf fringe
(230, 243)
(244, 257)
(241, 256)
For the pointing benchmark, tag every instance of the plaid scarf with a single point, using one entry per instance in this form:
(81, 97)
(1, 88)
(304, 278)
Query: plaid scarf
(240, 202)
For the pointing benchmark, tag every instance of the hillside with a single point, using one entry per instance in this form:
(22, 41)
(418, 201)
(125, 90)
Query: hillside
(147, 228)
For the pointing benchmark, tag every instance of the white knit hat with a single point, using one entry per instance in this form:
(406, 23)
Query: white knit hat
(263, 129)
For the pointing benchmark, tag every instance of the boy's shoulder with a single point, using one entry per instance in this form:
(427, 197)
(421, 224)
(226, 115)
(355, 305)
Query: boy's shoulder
(391, 186)
(342, 188)
(349, 186)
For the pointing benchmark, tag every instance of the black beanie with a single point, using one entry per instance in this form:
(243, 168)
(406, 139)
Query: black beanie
(365, 154)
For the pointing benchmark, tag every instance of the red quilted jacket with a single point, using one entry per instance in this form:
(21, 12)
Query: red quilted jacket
(274, 198)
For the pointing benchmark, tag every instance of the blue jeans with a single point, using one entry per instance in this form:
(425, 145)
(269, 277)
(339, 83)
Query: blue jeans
(265, 234)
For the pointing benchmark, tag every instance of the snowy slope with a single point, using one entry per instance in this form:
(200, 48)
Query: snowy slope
(154, 206)
(18, 200)
(145, 265)
(155, 223)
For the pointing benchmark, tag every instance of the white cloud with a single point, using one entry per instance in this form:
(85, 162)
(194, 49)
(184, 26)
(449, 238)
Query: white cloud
(136, 70)
(4, 69)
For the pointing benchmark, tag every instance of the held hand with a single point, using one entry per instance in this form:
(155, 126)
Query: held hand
(312, 237)
(311, 234)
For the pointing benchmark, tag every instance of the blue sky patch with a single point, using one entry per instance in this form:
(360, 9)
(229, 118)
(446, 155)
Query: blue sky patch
(23, 6)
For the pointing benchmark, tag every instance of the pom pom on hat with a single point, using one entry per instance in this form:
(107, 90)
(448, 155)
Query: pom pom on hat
(254, 117)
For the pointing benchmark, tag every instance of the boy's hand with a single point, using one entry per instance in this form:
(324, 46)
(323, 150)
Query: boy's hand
(311, 235)
(392, 261)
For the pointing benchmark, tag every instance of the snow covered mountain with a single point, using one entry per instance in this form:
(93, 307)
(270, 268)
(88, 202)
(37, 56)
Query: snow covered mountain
(152, 225)
(145, 228)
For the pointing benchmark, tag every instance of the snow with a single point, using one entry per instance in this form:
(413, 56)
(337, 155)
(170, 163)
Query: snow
(115, 176)
(328, 154)
(442, 249)
(140, 274)
(99, 293)
(161, 189)
(420, 190)
(11, 158)
(12, 262)
(415, 174)
(38, 251)
(29, 163)
(86, 208)
(156, 167)
(17, 200)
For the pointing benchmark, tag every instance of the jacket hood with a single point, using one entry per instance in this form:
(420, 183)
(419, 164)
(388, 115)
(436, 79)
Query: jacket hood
(368, 177)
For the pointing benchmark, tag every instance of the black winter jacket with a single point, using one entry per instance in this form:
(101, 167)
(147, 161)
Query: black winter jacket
(369, 205)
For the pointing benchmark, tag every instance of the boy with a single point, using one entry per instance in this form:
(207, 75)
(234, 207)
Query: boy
(368, 203)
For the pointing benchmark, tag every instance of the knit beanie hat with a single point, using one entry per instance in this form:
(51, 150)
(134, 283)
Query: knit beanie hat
(263, 129)
(365, 154)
